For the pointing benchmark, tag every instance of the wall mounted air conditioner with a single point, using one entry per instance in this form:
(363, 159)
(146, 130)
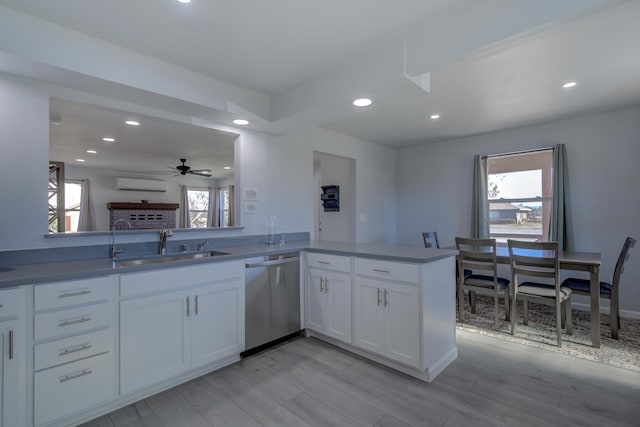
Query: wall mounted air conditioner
(134, 184)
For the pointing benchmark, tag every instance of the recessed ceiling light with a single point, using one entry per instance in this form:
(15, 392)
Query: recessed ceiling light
(362, 102)
(434, 116)
(185, 1)
(92, 152)
(241, 122)
(567, 85)
(108, 139)
(132, 123)
(80, 160)
(227, 167)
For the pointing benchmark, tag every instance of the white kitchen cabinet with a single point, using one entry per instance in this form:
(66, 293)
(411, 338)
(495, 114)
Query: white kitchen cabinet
(329, 303)
(12, 373)
(73, 339)
(197, 320)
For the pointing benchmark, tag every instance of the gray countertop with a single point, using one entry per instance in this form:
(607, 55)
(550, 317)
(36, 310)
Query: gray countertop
(70, 270)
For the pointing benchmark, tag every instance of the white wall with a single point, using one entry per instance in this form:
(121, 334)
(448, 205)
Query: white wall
(280, 167)
(435, 180)
(103, 189)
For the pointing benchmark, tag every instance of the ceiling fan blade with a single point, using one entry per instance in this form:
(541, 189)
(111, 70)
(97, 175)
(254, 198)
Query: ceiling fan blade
(200, 173)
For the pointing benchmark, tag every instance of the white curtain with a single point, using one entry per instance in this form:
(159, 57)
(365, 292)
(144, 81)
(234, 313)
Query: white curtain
(87, 217)
(212, 214)
(231, 208)
(561, 229)
(185, 217)
(480, 203)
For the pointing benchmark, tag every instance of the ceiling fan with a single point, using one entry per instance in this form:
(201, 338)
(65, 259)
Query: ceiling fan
(184, 170)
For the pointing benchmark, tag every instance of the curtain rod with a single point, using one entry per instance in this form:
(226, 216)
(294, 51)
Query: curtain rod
(518, 152)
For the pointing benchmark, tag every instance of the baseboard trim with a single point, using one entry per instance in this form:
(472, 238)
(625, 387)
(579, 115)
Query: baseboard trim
(627, 314)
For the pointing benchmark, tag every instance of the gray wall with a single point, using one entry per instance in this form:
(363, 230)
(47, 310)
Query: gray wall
(434, 186)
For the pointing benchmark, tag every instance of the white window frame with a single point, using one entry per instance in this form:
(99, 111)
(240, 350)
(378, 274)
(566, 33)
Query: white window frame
(205, 211)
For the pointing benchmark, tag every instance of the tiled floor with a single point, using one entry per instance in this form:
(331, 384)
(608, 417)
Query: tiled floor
(308, 383)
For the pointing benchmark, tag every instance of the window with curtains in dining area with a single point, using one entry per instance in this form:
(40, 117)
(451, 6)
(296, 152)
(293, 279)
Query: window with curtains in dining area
(199, 200)
(520, 194)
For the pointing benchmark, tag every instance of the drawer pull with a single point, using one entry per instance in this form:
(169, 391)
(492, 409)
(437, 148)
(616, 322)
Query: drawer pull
(324, 262)
(75, 321)
(76, 375)
(10, 345)
(75, 349)
(74, 294)
(377, 270)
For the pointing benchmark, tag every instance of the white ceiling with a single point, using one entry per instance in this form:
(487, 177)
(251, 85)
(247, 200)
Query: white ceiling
(490, 64)
(154, 147)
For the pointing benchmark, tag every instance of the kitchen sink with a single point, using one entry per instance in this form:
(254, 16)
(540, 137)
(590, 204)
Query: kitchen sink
(169, 258)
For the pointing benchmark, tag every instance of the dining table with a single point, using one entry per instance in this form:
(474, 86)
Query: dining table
(575, 261)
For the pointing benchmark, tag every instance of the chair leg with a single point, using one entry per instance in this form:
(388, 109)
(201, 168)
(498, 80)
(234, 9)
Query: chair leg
(514, 314)
(568, 319)
(615, 317)
(496, 305)
(472, 301)
(507, 311)
(525, 311)
(563, 309)
(558, 322)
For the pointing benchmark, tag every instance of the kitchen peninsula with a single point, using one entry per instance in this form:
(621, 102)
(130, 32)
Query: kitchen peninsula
(92, 320)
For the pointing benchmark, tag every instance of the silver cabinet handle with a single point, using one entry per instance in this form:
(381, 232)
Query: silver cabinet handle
(75, 349)
(75, 321)
(196, 307)
(321, 284)
(379, 296)
(324, 262)
(10, 345)
(386, 298)
(377, 270)
(326, 285)
(187, 306)
(74, 294)
(76, 375)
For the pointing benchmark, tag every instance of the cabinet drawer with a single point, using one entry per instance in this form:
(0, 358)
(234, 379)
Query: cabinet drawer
(11, 301)
(71, 349)
(178, 278)
(61, 391)
(331, 262)
(388, 270)
(72, 321)
(64, 294)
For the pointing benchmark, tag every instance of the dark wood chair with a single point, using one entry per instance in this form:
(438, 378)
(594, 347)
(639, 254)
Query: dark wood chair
(608, 291)
(480, 255)
(535, 261)
(430, 239)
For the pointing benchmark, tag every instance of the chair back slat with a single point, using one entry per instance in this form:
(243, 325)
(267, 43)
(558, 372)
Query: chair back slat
(534, 259)
(430, 239)
(477, 254)
(629, 243)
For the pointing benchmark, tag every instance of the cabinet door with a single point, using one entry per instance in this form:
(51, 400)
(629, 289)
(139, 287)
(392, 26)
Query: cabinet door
(153, 333)
(12, 373)
(316, 306)
(338, 294)
(369, 315)
(402, 324)
(217, 323)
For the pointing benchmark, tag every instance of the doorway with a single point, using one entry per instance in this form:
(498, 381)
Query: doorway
(331, 224)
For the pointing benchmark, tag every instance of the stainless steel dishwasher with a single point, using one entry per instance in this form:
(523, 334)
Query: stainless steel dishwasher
(272, 298)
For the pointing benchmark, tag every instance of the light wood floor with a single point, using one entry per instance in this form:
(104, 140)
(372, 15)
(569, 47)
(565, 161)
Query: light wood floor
(306, 382)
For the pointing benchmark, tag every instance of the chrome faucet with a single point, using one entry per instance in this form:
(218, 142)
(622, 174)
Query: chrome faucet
(114, 249)
(201, 246)
(164, 233)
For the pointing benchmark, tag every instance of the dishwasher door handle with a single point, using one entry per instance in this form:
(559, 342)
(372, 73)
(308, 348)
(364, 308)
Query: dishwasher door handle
(271, 263)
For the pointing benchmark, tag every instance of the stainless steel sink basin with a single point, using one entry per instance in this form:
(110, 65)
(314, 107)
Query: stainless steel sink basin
(169, 258)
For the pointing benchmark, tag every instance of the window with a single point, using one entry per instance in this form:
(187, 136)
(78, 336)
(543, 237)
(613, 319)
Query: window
(224, 207)
(72, 194)
(198, 207)
(520, 195)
